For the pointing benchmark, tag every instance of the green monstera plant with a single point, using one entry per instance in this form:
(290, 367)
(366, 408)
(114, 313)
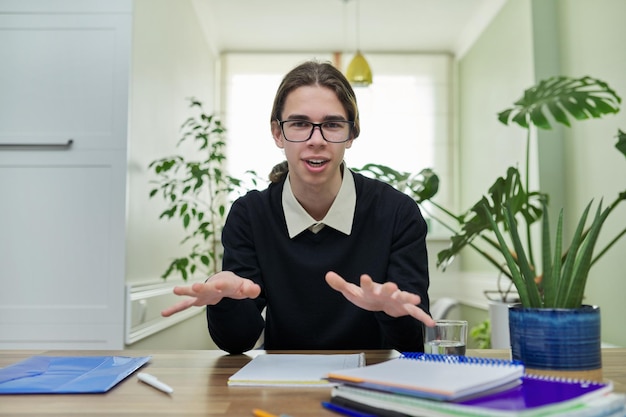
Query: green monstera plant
(508, 203)
(564, 269)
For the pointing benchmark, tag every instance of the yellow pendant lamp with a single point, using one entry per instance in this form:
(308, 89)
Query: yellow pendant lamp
(359, 72)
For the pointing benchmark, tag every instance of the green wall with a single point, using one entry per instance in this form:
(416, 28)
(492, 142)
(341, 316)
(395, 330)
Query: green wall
(530, 40)
(592, 34)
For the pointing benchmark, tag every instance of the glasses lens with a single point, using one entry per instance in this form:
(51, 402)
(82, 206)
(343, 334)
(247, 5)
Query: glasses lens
(297, 130)
(338, 131)
(332, 131)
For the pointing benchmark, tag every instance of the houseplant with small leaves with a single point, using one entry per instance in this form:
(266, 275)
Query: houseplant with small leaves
(197, 192)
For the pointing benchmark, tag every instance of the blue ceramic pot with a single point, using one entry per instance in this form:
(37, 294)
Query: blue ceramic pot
(556, 339)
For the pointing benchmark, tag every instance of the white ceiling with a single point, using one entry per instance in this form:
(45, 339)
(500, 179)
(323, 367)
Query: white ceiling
(330, 25)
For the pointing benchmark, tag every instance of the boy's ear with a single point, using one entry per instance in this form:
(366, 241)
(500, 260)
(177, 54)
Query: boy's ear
(277, 134)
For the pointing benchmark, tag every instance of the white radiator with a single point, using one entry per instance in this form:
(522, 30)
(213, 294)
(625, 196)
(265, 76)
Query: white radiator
(144, 303)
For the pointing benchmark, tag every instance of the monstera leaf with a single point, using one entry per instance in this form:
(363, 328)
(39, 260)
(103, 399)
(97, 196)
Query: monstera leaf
(583, 98)
(621, 142)
(421, 186)
(507, 191)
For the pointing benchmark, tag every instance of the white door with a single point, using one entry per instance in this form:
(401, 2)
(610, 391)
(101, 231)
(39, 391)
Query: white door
(63, 134)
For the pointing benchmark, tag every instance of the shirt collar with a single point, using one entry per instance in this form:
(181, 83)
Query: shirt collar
(339, 217)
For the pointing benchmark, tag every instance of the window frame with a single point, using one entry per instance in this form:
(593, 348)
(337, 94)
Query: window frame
(433, 69)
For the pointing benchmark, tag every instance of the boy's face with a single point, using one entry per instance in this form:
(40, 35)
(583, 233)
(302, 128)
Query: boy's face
(315, 162)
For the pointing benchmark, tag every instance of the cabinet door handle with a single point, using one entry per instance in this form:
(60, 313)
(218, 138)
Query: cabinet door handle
(65, 145)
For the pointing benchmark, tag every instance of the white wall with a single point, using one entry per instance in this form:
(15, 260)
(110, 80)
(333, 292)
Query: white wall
(492, 75)
(171, 61)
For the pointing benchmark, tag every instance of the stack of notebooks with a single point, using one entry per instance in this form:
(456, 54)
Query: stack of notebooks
(430, 385)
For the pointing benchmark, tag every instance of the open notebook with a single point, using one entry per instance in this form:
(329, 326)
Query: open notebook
(294, 370)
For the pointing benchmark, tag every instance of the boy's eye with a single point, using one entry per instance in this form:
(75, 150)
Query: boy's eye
(300, 124)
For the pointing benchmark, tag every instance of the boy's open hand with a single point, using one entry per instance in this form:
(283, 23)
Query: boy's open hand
(385, 297)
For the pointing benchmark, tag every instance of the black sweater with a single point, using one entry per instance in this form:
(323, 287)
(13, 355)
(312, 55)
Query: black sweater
(388, 242)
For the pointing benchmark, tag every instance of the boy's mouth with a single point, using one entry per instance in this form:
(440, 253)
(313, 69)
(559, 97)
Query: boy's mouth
(316, 162)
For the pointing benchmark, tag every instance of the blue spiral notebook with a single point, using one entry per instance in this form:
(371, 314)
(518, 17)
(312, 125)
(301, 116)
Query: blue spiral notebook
(67, 374)
(432, 376)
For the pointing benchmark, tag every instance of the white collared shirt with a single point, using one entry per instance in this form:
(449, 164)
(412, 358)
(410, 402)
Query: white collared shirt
(339, 216)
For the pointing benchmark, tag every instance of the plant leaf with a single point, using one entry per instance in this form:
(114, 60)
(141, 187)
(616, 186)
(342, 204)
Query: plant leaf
(575, 291)
(507, 191)
(516, 275)
(567, 272)
(534, 298)
(551, 269)
(621, 142)
(421, 186)
(581, 98)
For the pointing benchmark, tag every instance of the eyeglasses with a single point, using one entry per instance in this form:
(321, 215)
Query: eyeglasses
(334, 131)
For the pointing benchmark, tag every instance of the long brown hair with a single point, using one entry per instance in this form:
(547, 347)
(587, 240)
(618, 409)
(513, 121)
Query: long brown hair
(314, 73)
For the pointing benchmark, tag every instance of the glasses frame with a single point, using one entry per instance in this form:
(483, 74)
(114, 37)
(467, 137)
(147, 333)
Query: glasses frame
(313, 126)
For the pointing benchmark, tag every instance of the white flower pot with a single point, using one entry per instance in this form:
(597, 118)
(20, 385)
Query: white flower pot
(499, 318)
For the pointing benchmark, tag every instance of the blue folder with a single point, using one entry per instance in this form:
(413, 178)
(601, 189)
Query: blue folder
(67, 374)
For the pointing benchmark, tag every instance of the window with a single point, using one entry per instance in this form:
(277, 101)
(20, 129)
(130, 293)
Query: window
(405, 113)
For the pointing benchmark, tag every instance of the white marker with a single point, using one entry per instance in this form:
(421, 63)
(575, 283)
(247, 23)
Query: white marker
(153, 381)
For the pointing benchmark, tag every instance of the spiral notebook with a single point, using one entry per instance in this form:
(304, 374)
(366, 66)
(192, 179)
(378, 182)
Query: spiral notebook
(439, 377)
(534, 397)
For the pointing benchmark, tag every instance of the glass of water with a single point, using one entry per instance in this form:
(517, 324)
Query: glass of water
(448, 337)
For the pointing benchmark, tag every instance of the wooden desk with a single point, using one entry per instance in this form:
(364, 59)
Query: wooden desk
(199, 382)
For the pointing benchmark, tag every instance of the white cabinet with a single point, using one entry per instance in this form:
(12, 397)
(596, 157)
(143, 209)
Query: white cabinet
(63, 139)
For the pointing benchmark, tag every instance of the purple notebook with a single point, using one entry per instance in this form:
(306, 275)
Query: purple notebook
(535, 396)
(540, 391)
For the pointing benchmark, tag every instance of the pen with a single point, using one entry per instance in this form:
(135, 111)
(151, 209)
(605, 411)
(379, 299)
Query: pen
(344, 410)
(154, 382)
(261, 413)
